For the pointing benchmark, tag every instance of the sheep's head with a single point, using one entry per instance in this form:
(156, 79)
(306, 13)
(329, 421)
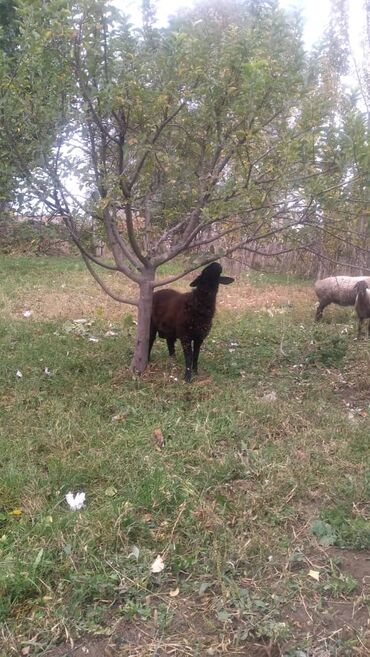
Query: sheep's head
(360, 287)
(211, 277)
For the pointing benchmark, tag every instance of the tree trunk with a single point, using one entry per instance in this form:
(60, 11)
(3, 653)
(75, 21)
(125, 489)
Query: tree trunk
(140, 357)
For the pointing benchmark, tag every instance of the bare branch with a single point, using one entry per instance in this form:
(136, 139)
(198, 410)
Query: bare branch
(335, 262)
(104, 287)
(190, 232)
(227, 252)
(152, 141)
(131, 235)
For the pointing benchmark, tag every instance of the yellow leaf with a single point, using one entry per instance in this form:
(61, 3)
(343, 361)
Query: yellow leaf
(105, 202)
(314, 574)
(174, 593)
(16, 512)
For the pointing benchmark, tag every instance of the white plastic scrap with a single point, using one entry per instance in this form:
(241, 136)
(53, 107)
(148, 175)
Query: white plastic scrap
(157, 565)
(75, 502)
(270, 396)
(27, 313)
(19, 374)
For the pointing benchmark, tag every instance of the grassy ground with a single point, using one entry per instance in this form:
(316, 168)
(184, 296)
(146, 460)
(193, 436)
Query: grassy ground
(258, 501)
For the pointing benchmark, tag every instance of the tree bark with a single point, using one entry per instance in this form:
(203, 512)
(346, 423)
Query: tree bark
(140, 357)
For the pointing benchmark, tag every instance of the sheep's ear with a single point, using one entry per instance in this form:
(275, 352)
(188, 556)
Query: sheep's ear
(226, 280)
(197, 280)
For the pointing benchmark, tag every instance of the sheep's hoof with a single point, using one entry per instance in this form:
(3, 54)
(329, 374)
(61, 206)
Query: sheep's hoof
(187, 377)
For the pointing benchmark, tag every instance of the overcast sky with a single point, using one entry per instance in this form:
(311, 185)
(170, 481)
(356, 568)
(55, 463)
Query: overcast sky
(315, 14)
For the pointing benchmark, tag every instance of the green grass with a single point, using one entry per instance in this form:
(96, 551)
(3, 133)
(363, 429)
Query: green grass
(231, 498)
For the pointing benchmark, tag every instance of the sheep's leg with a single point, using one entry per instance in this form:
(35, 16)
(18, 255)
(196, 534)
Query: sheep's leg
(188, 355)
(319, 311)
(359, 330)
(368, 328)
(171, 346)
(197, 346)
(152, 337)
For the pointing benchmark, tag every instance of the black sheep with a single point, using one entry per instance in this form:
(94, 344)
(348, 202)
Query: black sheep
(187, 317)
(362, 305)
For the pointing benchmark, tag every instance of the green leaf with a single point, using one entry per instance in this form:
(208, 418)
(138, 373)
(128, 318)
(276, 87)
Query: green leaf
(324, 532)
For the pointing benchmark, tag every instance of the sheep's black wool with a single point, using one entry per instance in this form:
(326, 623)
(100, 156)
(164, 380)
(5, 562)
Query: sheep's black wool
(187, 317)
(362, 304)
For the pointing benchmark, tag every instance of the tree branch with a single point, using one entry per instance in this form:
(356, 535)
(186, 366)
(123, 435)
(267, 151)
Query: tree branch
(152, 141)
(131, 235)
(104, 287)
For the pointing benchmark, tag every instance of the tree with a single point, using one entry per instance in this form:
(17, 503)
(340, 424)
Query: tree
(179, 136)
(13, 56)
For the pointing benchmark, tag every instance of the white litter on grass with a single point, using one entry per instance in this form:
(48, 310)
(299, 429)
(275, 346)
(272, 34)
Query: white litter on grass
(92, 339)
(75, 502)
(47, 371)
(270, 396)
(80, 321)
(135, 552)
(27, 313)
(157, 565)
(19, 374)
(110, 334)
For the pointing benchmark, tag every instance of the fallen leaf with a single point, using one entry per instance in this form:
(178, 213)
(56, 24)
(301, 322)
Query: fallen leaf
(16, 512)
(157, 565)
(110, 492)
(158, 438)
(25, 651)
(38, 557)
(203, 382)
(314, 574)
(223, 616)
(118, 418)
(174, 593)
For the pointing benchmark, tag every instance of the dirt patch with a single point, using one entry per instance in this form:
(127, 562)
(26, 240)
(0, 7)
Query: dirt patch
(187, 627)
(326, 619)
(87, 300)
(191, 630)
